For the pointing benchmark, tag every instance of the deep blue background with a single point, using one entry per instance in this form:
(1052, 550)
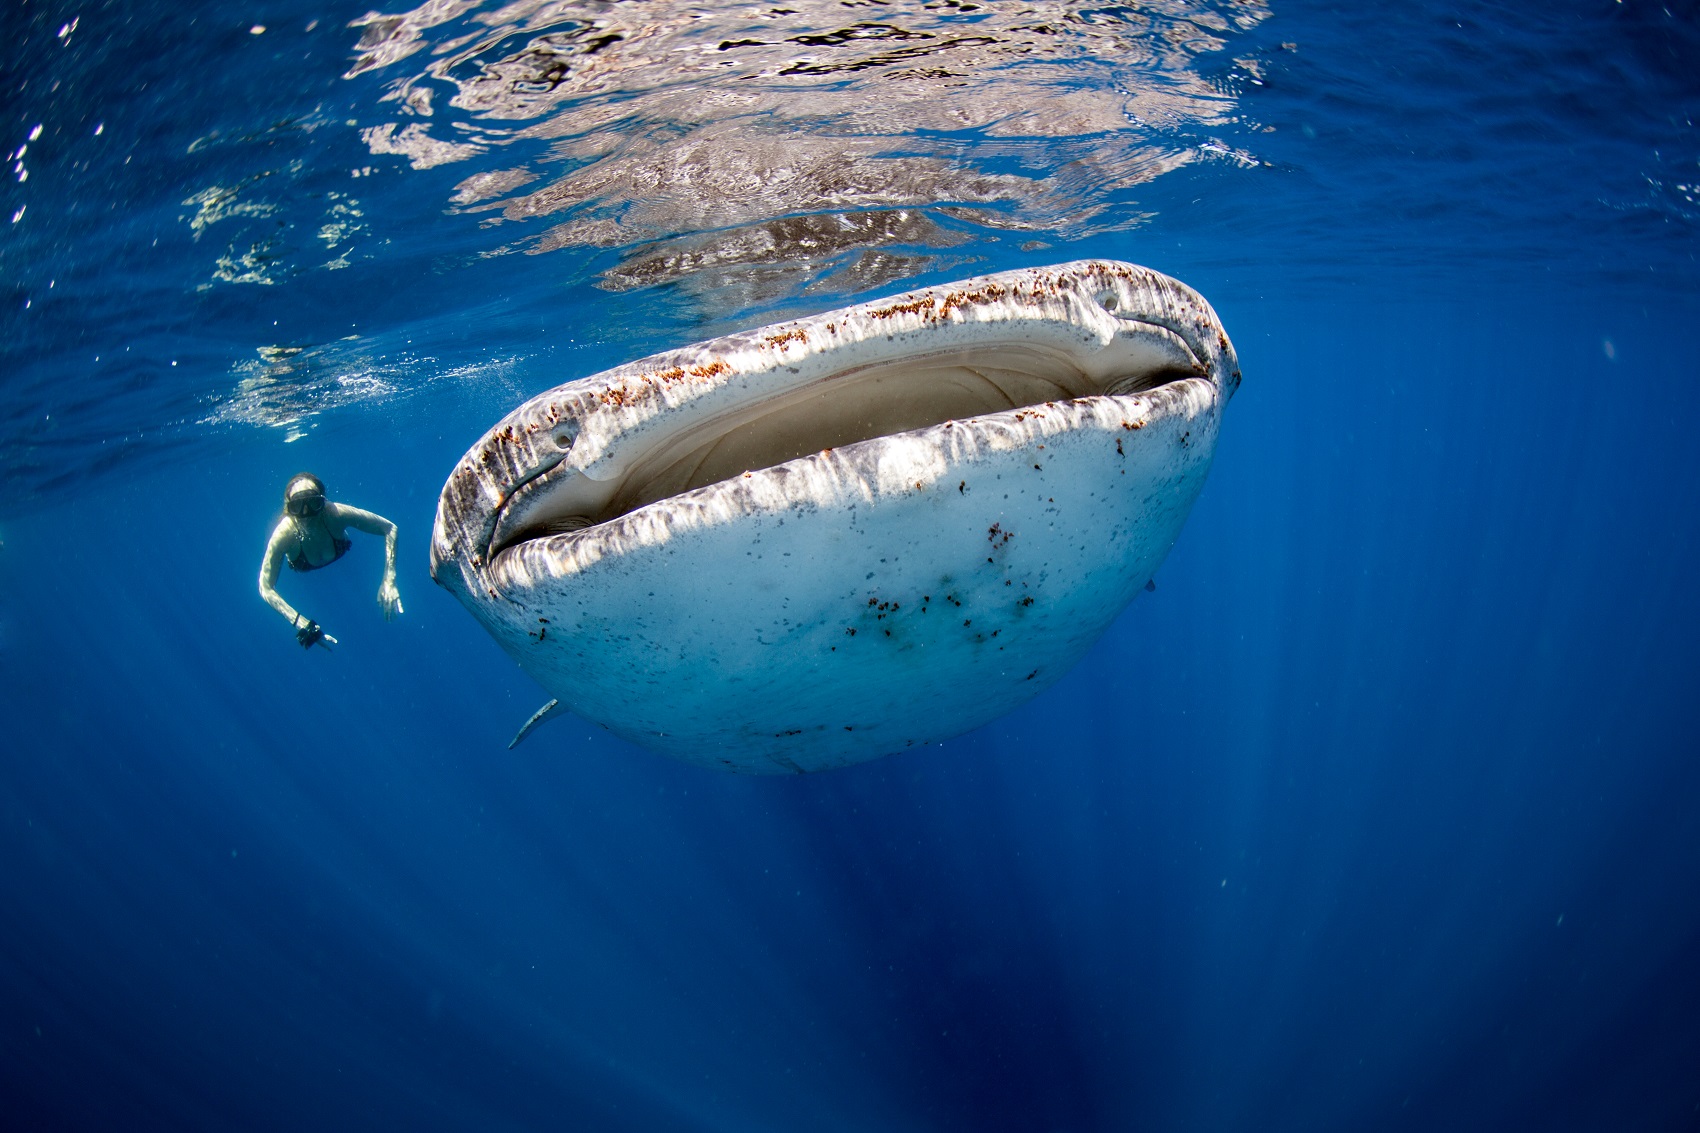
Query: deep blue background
(1379, 814)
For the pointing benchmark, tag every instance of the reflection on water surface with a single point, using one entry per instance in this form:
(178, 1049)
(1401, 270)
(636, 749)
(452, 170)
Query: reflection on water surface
(840, 142)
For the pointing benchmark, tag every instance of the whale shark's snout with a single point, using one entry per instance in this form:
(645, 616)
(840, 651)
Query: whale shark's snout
(825, 540)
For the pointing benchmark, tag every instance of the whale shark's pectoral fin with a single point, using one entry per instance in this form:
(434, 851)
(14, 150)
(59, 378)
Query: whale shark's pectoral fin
(1150, 588)
(542, 714)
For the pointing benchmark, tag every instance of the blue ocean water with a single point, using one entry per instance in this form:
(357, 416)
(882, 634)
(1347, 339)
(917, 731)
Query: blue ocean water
(1379, 813)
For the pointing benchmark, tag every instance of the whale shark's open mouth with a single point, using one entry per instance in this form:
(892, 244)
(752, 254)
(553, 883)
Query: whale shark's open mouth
(594, 451)
(842, 408)
(878, 401)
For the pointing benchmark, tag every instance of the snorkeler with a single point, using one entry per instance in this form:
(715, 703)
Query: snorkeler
(312, 533)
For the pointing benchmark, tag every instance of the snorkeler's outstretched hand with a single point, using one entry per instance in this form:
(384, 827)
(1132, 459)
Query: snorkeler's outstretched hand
(389, 600)
(313, 634)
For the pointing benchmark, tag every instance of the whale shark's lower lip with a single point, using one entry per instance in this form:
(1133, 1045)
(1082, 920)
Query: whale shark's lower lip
(943, 394)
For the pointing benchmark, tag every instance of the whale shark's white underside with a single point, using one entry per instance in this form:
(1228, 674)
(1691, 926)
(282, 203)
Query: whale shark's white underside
(825, 540)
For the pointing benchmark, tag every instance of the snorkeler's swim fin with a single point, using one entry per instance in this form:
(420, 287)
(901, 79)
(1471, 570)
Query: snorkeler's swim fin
(537, 718)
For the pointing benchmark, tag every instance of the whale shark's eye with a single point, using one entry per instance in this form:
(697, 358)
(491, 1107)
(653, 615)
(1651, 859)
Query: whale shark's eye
(1108, 300)
(564, 434)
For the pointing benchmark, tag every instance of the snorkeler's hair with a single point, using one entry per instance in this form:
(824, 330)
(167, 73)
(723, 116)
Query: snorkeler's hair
(317, 483)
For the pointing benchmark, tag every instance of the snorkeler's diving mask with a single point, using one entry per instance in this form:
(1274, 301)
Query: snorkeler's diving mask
(305, 500)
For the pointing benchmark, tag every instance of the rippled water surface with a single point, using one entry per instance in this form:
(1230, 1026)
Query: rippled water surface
(1377, 814)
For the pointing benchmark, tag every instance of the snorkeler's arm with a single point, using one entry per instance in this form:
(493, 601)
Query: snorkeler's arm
(374, 524)
(307, 631)
(268, 575)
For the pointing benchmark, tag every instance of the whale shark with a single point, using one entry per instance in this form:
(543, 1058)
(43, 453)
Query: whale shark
(837, 537)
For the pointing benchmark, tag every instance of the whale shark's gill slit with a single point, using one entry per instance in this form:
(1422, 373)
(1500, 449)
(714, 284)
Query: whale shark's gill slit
(843, 409)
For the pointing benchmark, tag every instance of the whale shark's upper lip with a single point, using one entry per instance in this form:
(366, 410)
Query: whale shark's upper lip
(592, 450)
